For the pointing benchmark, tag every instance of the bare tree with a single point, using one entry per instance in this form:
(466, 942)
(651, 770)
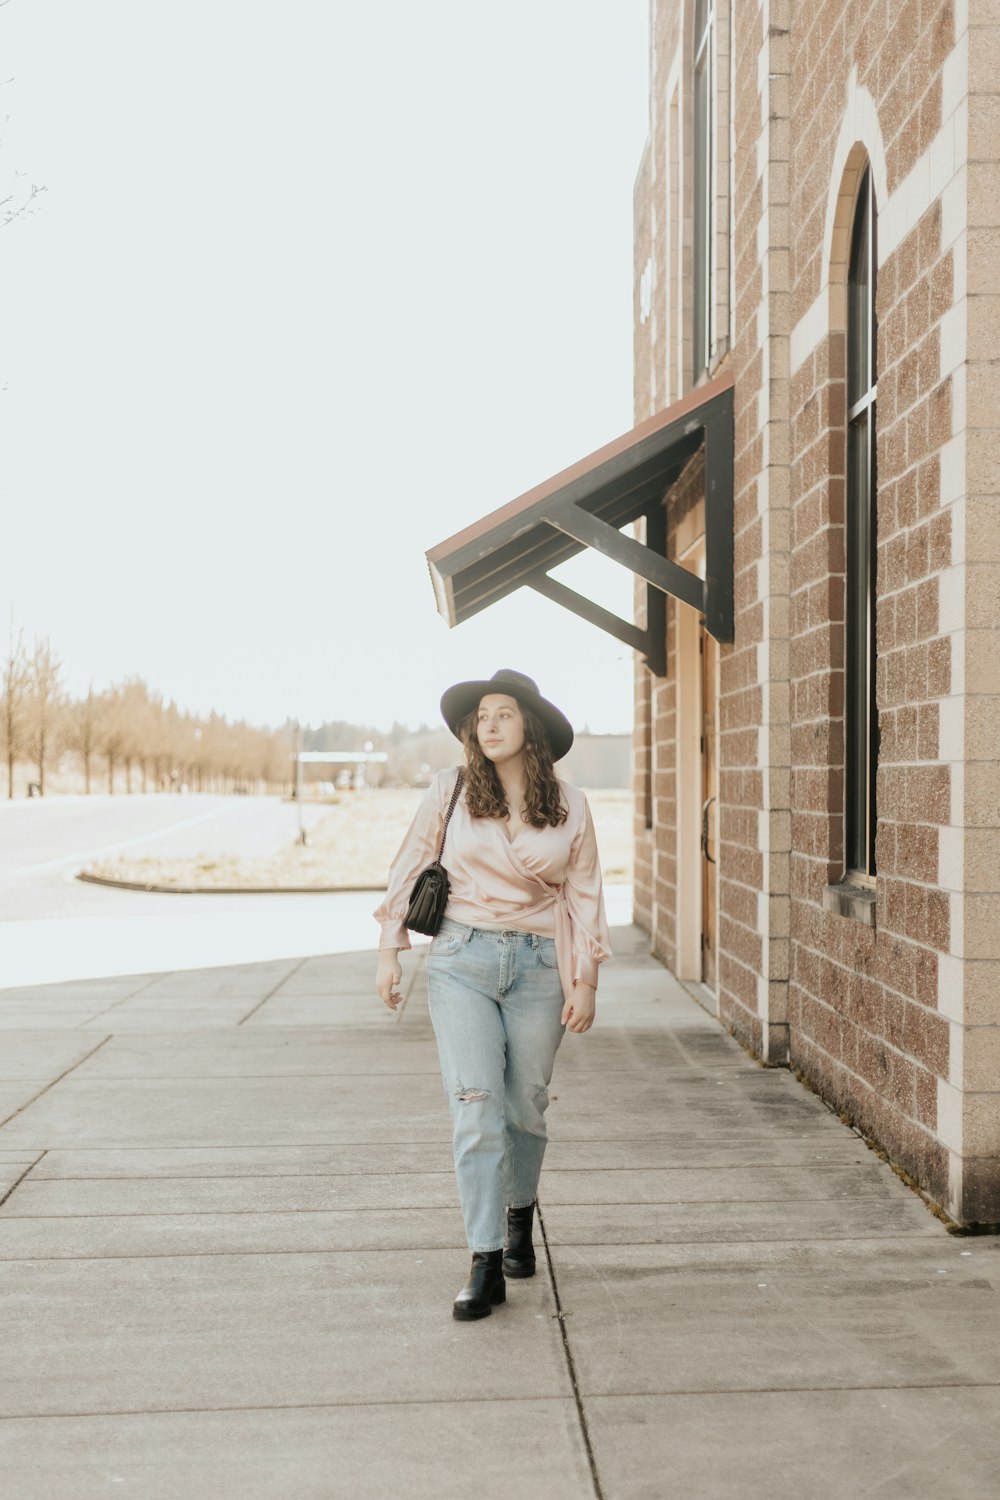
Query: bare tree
(135, 715)
(130, 726)
(80, 731)
(149, 748)
(111, 733)
(14, 704)
(44, 702)
(18, 197)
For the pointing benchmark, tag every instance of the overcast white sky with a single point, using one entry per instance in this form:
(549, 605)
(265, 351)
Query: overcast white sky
(313, 285)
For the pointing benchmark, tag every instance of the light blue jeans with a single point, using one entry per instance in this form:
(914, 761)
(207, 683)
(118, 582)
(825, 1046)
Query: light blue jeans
(495, 1003)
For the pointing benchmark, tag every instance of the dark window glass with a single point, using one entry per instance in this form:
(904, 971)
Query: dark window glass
(703, 179)
(860, 712)
(859, 299)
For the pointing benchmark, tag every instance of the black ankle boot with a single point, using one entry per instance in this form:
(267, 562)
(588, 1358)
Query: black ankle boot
(519, 1256)
(484, 1288)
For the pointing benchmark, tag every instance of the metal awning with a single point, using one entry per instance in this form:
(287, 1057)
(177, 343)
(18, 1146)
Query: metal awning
(586, 506)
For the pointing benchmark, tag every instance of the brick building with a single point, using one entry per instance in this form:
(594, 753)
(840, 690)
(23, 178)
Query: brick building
(812, 491)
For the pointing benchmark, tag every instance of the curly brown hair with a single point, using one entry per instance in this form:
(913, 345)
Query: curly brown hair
(484, 793)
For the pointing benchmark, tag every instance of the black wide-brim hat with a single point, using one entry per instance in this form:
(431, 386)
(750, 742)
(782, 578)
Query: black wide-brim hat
(459, 701)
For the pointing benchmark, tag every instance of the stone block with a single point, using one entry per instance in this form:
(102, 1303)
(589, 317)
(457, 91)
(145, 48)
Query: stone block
(982, 794)
(982, 860)
(983, 261)
(982, 993)
(981, 1061)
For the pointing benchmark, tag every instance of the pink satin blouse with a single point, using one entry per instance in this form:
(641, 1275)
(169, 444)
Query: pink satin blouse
(544, 880)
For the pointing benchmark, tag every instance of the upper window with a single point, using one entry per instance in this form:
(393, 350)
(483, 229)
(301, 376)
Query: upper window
(704, 23)
(860, 712)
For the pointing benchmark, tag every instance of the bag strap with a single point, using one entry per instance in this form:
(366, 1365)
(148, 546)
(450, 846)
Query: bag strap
(451, 808)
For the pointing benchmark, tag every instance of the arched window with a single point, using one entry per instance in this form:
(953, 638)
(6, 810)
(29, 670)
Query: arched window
(704, 22)
(860, 712)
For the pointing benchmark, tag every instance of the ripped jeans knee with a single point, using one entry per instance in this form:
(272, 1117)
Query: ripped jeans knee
(471, 1095)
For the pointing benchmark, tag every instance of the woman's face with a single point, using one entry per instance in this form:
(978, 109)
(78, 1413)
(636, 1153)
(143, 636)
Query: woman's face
(500, 727)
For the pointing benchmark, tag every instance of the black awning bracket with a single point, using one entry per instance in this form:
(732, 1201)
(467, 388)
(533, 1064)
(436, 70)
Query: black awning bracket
(650, 641)
(587, 506)
(595, 614)
(639, 557)
(712, 596)
(719, 609)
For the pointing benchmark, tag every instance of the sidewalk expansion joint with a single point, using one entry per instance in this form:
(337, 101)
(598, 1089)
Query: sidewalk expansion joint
(124, 999)
(96, 1147)
(701, 1391)
(104, 1079)
(247, 1253)
(18, 1180)
(170, 1411)
(449, 1173)
(283, 980)
(51, 1085)
(51, 1260)
(581, 1414)
(225, 1213)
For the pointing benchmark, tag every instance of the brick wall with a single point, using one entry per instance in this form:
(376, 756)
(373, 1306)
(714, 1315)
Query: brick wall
(753, 706)
(898, 1023)
(863, 1011)
(969, 986)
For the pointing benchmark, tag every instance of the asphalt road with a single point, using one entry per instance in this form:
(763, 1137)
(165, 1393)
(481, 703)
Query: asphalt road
(39, 837)
(54, 927)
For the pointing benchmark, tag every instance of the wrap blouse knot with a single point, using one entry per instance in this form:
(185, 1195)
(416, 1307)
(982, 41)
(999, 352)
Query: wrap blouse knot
(543, 880)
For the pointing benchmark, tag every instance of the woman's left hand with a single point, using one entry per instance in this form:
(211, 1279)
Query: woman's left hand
(578, 1011)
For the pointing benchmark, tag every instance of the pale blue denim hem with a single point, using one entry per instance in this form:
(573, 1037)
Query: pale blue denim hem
(495, 1003)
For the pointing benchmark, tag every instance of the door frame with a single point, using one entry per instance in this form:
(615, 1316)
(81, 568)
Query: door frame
(689, 795)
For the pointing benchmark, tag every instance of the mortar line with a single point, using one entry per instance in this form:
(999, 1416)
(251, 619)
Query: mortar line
(570, 1365)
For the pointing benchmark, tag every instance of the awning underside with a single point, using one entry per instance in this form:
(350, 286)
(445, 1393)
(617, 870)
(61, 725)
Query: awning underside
(586, 506)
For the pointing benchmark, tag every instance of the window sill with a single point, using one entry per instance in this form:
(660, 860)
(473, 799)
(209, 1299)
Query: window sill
(857, 902)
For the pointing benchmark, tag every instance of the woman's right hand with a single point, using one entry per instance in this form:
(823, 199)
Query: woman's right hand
(388, 978)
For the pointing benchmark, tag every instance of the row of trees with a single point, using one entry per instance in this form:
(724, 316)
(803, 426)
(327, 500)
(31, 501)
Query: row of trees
(128, 729)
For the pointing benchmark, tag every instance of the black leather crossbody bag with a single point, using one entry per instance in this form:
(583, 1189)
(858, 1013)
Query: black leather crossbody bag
(430, 889)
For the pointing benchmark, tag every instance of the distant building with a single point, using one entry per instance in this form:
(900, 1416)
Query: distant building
(814, 490)
(599, 761)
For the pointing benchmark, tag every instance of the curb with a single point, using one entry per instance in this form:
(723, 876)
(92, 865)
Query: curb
(227, 890)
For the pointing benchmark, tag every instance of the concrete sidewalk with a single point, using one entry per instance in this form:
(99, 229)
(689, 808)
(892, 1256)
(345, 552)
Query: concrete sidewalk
(231, 1240)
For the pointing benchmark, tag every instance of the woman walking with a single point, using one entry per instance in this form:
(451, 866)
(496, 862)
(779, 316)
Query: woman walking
(515, 961)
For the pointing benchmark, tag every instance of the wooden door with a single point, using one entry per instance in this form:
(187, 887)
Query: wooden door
(710, 806)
